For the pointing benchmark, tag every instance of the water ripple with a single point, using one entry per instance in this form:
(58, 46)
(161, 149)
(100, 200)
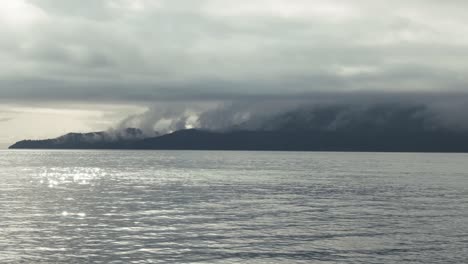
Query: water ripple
(232, 207)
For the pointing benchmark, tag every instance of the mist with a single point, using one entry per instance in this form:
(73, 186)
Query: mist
(321, 112)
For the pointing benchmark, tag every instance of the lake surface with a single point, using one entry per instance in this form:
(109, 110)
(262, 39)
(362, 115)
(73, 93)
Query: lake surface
(232, 207)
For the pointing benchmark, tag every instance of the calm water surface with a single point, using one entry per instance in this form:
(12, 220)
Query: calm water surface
(232, 207)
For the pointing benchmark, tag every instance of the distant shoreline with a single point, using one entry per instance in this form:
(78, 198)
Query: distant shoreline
(299, 141)
(208, 150)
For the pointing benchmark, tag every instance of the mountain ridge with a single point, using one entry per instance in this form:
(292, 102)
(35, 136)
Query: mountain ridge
(378, 127)
(197, 139)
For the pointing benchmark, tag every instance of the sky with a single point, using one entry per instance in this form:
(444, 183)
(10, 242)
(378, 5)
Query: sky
(87, 65)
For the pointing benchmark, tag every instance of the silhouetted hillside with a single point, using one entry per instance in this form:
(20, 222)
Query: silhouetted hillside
(193, 139)
(377, 127)
(94, 140)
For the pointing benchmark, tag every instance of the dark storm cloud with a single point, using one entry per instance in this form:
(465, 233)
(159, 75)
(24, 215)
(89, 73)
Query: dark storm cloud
(148, 51)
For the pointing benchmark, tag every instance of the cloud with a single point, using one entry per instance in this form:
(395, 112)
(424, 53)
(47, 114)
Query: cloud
(184, 58)
(397, 112)
(139, 50)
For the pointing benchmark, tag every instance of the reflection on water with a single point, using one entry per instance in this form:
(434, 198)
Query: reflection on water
(232, 207)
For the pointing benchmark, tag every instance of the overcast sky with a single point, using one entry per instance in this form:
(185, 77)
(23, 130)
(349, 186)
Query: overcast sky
(70, 65)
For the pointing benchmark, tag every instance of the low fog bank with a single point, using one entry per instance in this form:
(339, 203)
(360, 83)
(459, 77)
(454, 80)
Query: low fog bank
(323, 112)
(346, 123)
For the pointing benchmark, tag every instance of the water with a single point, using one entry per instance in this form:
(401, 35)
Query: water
(232, 207)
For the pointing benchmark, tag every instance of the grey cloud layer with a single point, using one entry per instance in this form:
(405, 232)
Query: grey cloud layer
(141, 50)
(389, 111)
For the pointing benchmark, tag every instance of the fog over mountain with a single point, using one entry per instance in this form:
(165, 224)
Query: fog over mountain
(396, 112)
(166, 65)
